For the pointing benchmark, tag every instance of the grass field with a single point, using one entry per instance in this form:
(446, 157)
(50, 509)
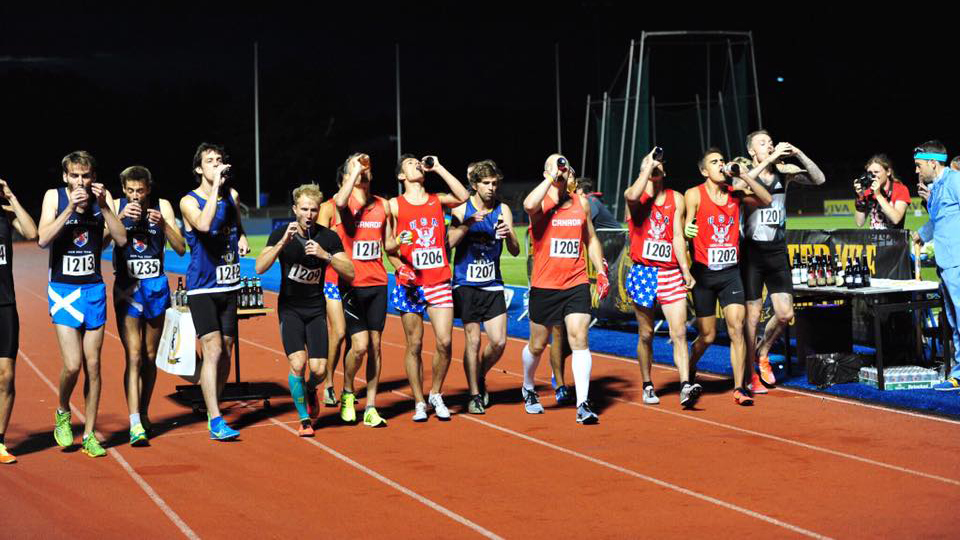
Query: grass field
(514, 269)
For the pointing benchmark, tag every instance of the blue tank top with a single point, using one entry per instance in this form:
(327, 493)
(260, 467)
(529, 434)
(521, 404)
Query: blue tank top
(75, 252)
(214, 258)
(476, 261)
(142, 257)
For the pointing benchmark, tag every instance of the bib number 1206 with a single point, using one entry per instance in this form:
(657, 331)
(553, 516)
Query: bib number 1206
(425, 259)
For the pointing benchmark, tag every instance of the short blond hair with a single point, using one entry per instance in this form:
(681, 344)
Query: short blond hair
(309, 190)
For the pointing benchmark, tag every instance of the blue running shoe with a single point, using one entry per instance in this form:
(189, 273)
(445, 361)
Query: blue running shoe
(563, 395)
(949, 385)
(220, 431)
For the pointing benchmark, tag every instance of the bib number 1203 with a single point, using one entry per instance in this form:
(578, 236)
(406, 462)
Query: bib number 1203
(657, 250)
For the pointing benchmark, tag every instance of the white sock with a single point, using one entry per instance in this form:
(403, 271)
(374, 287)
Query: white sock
(134, 419)
(529, 367)
(581, 364)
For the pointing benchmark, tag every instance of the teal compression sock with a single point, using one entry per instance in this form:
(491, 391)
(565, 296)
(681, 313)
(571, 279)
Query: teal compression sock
(299, 397)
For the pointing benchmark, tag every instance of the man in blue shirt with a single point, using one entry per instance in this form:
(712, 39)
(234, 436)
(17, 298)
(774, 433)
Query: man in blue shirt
(940, 187)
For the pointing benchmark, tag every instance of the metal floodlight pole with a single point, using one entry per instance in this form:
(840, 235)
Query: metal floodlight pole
(586, 133)
(700, 124)
(623, 133)
(397, 75)
(723, 125)
(636, 105)
(653, 119)
(556, 64)
(736, 97)
(709, 123)
(603, 133)
(256, 119)
(756, 85)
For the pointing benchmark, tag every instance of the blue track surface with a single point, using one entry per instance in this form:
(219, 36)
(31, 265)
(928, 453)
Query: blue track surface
(624, 343)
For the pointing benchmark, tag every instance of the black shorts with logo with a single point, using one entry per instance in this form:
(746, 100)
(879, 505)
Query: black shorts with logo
(214, 312)
(548, 307)
(713, 285)
(473, 304)
(300, 326)
(364, 308)
(764, 263)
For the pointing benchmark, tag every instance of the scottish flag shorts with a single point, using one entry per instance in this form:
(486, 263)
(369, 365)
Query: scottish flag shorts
(78, 306)
(146, 298)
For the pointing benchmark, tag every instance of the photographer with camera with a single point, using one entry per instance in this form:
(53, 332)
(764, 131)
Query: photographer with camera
(881, 195)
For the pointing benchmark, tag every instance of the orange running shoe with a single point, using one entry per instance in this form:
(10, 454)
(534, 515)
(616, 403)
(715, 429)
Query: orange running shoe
(766, 371)
(6, 458)
(742, 397)
(306, 430)
(756, 386)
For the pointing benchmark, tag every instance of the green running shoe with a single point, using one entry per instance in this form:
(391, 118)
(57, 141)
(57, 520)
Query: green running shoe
(91, 447)
(63, 431)
(347, 411)
(372, 418)
(138, 436)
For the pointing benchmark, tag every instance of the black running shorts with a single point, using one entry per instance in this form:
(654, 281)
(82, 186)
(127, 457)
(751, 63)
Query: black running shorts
(364, 308)
(548, 307)
(475, 305)
(713, 285)
(9, 331)
(764, 263)
(214, 312)
(303, 327)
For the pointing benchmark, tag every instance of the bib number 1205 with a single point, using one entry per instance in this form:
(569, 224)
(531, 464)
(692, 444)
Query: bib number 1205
(565, 248)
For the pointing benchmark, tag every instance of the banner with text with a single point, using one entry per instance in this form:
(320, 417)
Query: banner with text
(887, 252)
(845, 207)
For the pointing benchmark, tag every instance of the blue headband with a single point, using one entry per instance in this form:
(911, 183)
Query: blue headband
(936, 156)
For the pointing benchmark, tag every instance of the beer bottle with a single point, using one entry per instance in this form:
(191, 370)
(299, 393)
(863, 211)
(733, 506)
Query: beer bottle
(866, 271)
(178, 296)
(259, 289)
(838, 271)
(857, 275)
(795, 270)
(804, 270)
(812, 272)
(827, 270)
(244, 296)
(848, 274)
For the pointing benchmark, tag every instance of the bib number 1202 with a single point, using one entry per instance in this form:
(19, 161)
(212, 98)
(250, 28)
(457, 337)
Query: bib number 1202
(722, 255)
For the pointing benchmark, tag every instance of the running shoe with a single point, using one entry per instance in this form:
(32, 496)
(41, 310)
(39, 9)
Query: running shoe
(476, 405)
(563, 395)
(313, 402)
(329, 397)
(585, 414)
(531, 401)
(742, 396)
(949, 385)
(306, 430)
(420, 412)
(690, 394)
(649, 395)
(766, 371)
(91, 446)
(756, 386)
(63, 431)
(220, 431)
(6, 458)
(371, 418)
(439, 407)
(482, 383)
(348, 413)
(138, 436)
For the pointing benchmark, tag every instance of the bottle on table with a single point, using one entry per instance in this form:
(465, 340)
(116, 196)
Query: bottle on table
(866, 271)
(848, 274)
(259, 293)
(795, 270)
(242, 300)
(857, 275)
(804, 271)
(838, 274)
(821, 272)
(828, 271)
(178, 295)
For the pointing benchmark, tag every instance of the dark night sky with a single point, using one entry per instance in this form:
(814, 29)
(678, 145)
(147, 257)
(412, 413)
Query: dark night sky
(475, 83)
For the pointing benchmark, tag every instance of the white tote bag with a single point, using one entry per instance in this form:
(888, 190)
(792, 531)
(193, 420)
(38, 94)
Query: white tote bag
(177, 353)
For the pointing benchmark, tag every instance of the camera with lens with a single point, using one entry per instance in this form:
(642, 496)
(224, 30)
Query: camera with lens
(864, 182)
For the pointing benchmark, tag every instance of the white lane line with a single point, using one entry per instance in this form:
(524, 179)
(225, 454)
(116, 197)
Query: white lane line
(406, 491)
(731, 427)
(144, 485)
(596, 461)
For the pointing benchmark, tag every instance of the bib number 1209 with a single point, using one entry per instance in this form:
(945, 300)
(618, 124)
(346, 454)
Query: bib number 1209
(425, 259)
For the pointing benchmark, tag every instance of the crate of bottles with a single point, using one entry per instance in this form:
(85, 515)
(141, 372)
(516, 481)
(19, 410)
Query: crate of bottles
(901, 377)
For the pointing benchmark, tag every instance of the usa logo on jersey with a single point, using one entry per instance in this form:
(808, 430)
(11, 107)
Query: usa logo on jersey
(80, 237)
(139, 245)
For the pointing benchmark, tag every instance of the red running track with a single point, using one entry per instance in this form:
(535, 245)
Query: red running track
(795, 464)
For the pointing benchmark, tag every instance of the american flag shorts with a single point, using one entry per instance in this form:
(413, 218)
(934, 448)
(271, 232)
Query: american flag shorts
(646, 284)
(418, 299)
(331, 290)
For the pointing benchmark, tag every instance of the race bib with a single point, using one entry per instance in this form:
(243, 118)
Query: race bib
(3, 254)
(481, 271)
(143, 268)
(771, 216)
(721, 256)
(307, 276)
(228, 274)
(566, 248)
(427, 258)
(366, 250)
(78, 265)
(658, 250)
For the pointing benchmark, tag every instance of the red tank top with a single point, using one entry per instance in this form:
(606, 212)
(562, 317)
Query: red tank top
(717, 244)
(330, 275)
(558, 246)
(427, 253)
(362, 237)
(651, 242)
